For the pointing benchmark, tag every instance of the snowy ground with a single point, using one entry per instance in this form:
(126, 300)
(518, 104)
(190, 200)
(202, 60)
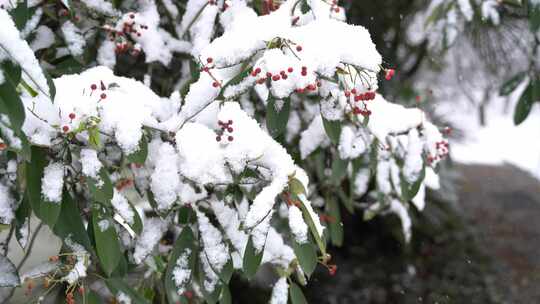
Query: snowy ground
(499, 141)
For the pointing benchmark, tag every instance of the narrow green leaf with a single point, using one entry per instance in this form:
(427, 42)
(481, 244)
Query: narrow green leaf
(339, 169)
(139, 157)
(534, 17)
(226, 297)
(335, 227)
(10, 102)
(20, 14)
(307, 256)
(524, 105)
(311, 224)
(70, 222)
(116, 285)
(296, 187)
(50, 83)
(101, 193)
(296, 294)
(333, 129)
(185, 241)
(276, 120)
(137, 225)
(107, 245)
(252, 259)
(34, 174)
(409, 191)
(511, 84)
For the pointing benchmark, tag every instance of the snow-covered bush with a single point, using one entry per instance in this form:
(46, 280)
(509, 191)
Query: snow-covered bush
(272, 123)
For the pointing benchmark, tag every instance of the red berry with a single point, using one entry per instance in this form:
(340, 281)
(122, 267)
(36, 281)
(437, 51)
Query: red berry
(254, 74)
(71, 115)
(230, 138)
(229, 130)
(206, 69)
(358, 97)
(311, 87)
(284, 76)
(298, 48)
(347, 94)
(268, 74)
(103, 96)
(300, 91)
(290, 70)
(215, 84)
(218, 138)
(2, 146)
(93, 87)
(389, 74)
(209, 59)
(229, 122)
(65, 129)
(304, 68)
(336, 10)
(276, 77)
(282, 73)
(304, 73)
(257, 70)
(353, 91)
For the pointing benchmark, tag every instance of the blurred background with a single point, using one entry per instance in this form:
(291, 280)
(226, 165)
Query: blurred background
(478, 239)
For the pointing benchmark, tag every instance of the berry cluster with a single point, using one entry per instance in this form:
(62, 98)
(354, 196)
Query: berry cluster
(206, 68)
(443, 148)
(129, 27)
(356, 96)
(226, 128)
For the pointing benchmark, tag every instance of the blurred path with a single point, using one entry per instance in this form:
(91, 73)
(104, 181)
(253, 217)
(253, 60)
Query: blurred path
(503, 203)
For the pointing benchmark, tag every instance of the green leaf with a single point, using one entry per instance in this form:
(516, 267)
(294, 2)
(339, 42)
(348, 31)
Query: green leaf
(70, 222)
(296, 187)
(139, 157)
(339, 169)
(252, 259)
(137, 225)
(9, 277)
(116, 285)
(93, 298)
(226, 297)
(276, 121)
(409, 191)
(50, 83)
(107, 245)
(34, 173)
(307, 256)
(333, 129)
(311, 224)
(10, 102)
(534, 18)
(335, 227)
(186, 240)
(296, 294)
(511, 84)
(524, 104)
(104, 193)
(20, 15)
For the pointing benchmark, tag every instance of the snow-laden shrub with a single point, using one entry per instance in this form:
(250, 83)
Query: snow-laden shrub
(274, 123)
